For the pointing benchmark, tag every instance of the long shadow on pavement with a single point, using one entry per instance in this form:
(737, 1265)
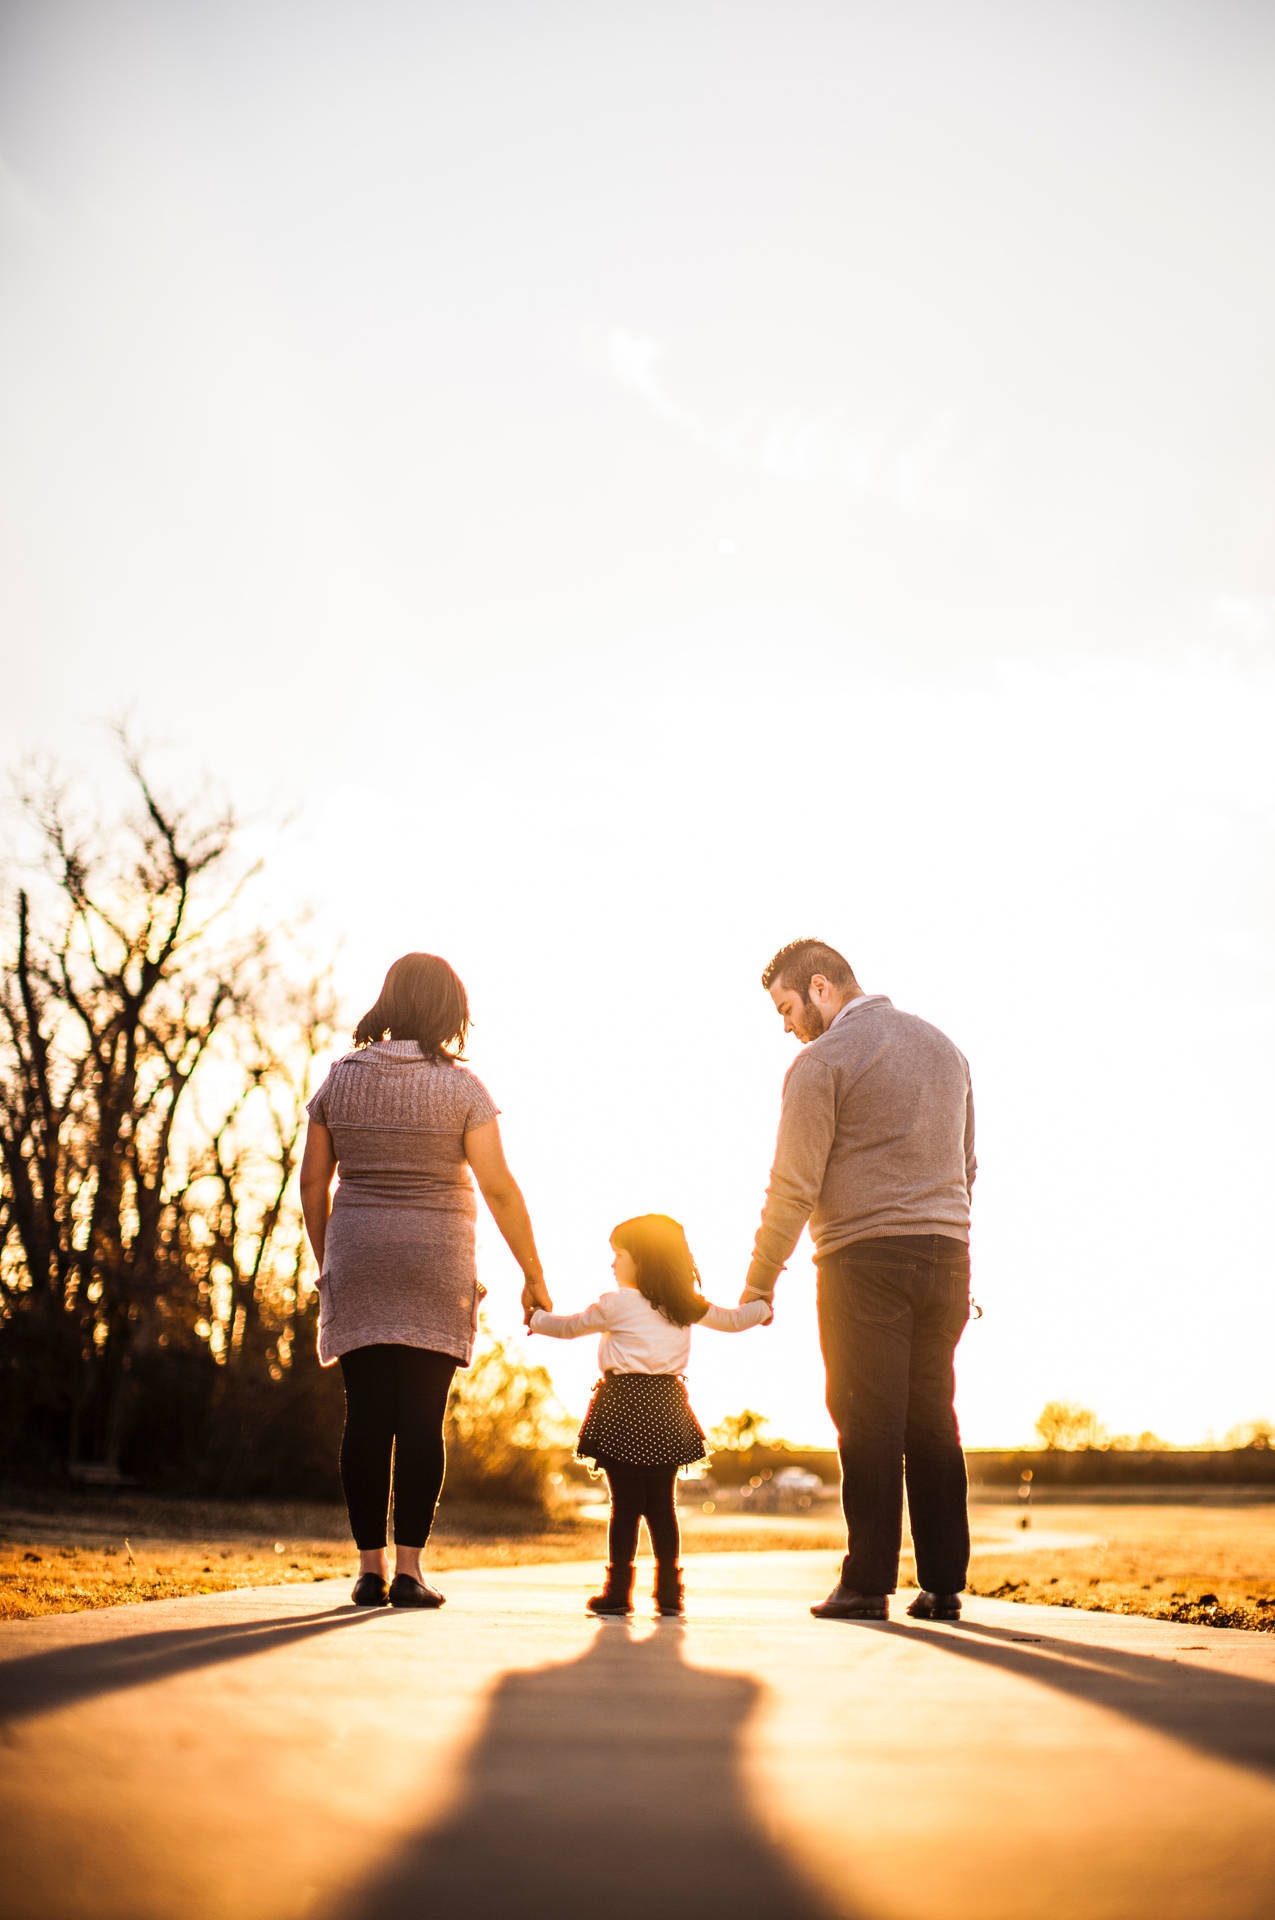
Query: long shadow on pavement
(610, 1785)
(1223, 1714)
(41, 1682)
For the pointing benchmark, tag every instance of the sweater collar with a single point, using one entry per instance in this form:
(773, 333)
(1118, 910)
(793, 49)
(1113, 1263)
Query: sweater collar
(853, 1006)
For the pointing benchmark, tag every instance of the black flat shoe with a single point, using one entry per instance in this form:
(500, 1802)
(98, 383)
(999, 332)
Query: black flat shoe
(370, 1591)
(843, 1603)
(936, 1606)
(406, 1592)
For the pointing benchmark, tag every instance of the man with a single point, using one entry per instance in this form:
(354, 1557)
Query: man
(876, 1152)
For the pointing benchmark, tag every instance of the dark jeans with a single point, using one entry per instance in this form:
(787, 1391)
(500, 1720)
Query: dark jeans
(637, 1494)
(395, 1399)
(890, 1314)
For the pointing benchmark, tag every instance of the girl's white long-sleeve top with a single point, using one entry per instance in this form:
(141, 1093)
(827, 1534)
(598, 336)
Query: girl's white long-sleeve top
(636, 1338)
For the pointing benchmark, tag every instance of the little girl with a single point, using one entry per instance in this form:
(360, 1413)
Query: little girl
(639, 1428)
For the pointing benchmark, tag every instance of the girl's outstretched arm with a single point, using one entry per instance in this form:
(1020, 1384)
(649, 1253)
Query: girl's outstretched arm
(755, 1313)
(568, 1326)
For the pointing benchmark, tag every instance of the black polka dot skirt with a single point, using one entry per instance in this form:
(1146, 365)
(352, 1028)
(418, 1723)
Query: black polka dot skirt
(641, 1420)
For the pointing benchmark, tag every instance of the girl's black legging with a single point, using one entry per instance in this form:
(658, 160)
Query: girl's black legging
(643, 1493)
(395, 1399)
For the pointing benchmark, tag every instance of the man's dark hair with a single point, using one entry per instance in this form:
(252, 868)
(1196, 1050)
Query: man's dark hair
(421, 1000)
(797, 964)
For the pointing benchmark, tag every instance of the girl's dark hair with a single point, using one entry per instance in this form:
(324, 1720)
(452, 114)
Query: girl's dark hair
(666, 1272)
(421, 1000)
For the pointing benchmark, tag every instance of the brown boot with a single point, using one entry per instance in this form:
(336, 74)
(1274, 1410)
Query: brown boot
(669, 1595)
(617, 1595)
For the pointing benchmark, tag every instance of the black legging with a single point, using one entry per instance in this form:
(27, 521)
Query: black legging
(395, 1399)
(643, 1493)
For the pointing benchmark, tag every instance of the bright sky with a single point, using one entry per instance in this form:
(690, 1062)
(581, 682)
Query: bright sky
(645, 482)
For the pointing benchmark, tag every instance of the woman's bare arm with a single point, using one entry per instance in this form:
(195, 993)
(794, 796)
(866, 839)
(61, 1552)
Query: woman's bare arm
(485, 1153)
(318, 1164)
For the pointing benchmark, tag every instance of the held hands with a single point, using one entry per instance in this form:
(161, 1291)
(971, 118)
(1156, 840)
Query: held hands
(534, 1294)
(755, 1293)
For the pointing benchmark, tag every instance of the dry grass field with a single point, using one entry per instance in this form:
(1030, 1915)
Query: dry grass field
(88, 1550)
(100, 1550)
(1208, 1561)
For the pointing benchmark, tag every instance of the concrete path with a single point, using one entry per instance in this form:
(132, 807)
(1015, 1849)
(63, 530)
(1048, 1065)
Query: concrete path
(274, 1753)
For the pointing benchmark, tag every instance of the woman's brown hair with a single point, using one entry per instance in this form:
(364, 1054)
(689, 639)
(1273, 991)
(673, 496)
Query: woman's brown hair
(666, 1272)
(421, 1000)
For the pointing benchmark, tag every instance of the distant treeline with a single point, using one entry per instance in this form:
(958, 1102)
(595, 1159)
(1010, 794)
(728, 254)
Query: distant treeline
(732, 1466)
(1048, 1466)
(1121, 1467)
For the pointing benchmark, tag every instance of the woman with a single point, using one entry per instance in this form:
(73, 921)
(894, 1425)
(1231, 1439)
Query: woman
(404, 1123)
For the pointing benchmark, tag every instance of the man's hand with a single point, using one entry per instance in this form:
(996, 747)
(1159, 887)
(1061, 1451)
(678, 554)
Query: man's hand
(756, 1293)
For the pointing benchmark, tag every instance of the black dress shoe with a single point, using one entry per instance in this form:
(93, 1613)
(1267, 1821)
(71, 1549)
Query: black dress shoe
(406, 1592)
(936, 1606)
(370, 1590)
(843, 1603)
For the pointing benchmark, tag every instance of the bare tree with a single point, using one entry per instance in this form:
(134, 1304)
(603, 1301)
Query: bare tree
(245, 1232)
(131, 959)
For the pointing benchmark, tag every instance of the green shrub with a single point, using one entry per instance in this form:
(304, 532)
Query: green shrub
(505, 1429)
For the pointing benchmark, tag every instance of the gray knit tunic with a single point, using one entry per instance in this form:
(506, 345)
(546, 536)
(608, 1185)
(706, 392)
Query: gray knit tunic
(398, 1261)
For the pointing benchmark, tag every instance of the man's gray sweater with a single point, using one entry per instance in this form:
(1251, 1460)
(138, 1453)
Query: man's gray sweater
(876, 1138)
